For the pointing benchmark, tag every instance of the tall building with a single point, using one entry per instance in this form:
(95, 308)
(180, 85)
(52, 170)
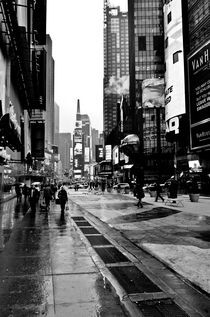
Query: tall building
(64, 151)
(198, 106)
(78, 146)
(49, 114)
(23, 83)
(146, 59)
(116, 63)
(56, 123)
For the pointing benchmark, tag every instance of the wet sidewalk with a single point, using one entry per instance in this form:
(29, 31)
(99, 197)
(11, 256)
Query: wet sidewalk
(177, 236)
(46, 269)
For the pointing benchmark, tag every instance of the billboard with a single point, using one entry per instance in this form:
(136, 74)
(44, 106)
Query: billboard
(99, 153)
(37, 140)
(108, 152)
(199, 97)
(174, 59)
(115, 155)
(153, 92)
(87, 154)
(78, 152)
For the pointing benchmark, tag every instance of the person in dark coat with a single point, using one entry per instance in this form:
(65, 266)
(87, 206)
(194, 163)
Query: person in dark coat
(33, 198)
(158, 192)
(47, 195)
(139, 194)
(25, 192)
(63, 198)
(18, 192)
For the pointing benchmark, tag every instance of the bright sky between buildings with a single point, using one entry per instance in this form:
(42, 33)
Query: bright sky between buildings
(76, 29)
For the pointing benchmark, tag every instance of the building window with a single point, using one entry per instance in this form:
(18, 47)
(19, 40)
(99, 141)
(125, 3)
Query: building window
(158, 43)
(169, 17)
(142, 43)
(176, 57)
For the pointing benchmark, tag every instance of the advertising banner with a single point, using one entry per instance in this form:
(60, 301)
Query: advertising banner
(199, 95)
(174, 57)
(153, 92)
(99, 153)
(87, 154)
(116, 155)
(78, 154)
(108, 152)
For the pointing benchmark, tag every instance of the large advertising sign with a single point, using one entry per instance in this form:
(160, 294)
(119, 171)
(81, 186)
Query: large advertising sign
(99, 153)
(108, 152)
(174, 57)
(199, 95)
(115, 155)
(153, 92)
(87, 154)
(78, 152)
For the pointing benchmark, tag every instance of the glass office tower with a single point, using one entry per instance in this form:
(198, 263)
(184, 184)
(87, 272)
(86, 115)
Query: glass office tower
(116, 63)
(146, 53)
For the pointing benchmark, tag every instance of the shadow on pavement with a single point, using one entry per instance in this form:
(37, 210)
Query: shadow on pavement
(155, 213)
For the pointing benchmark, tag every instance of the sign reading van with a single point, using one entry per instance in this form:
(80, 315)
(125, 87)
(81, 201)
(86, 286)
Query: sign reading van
(199, 94)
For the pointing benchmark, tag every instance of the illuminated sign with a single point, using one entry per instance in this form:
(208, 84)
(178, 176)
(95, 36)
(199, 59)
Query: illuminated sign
(99, 153)
(174, 58)
(108, 152)
(199, 95)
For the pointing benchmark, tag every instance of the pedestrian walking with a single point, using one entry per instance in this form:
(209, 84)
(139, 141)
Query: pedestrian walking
(139, 195)
(18, 192)
(103, 185)
(63, 198)
(54, 190)
(173, 188)
(33, 198)
(47, 195)
(158, 192)
(25, 192)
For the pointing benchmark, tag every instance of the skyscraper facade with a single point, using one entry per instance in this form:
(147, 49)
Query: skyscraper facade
(146, 59)
(64, 150)
(116, 63)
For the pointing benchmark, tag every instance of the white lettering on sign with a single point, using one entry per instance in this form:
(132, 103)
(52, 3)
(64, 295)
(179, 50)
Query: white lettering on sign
(172, 125)
(198, 62)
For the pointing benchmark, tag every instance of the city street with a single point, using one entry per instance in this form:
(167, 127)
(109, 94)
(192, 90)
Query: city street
(90, 264)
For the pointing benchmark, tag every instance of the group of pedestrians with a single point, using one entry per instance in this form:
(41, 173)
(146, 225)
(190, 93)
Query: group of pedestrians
(41, 196)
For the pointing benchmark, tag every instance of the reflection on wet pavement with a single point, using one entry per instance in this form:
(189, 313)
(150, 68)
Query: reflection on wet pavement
(45, 269)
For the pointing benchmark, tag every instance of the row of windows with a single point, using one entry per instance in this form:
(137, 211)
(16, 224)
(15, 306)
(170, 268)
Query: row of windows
(150, 67)
(149, 30)
(147, 74)
(199, 14)
(147, 4)
(149, 12)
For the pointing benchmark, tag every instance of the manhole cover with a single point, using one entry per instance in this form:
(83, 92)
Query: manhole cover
(111, 255)
(78, 218)
(166, 308)
(133, 280)
(89, 230)
(98, 240)
(83, 223)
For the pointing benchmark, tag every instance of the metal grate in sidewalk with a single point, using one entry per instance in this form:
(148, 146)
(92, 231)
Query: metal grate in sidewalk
(163, 308)
(133, 280)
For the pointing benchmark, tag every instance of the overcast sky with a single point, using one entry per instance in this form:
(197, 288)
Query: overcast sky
(76, 29)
